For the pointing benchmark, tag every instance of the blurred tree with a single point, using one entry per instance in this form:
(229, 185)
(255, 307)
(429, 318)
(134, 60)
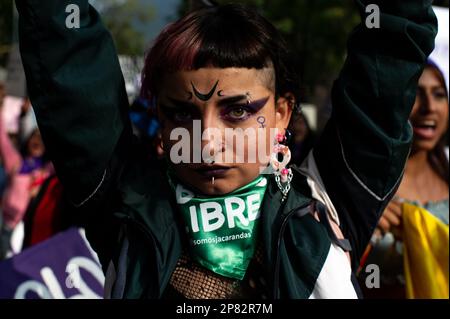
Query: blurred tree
(442, 3)
(316, 31)
(124, 19)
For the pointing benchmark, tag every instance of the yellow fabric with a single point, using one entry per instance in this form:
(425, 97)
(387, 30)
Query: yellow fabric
(426, 248)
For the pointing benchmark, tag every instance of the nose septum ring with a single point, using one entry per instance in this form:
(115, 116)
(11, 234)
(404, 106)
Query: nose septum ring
(211, 160)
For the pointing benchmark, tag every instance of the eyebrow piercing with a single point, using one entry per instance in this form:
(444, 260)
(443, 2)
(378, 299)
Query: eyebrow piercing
(249, 98)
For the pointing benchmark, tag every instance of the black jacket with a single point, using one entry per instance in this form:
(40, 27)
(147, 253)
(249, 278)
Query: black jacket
(77, 91)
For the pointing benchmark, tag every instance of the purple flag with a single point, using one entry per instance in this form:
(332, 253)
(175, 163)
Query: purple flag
(62, 267)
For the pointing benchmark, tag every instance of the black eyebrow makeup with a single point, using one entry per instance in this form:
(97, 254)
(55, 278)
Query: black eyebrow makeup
(226, 103)
(179, 103)
(178, 106)
(232, 100)
(252, 107)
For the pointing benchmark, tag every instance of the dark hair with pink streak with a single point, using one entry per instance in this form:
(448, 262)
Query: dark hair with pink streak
(223, 36)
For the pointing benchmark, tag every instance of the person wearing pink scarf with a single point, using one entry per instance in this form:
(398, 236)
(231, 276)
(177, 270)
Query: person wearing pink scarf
(24, 176)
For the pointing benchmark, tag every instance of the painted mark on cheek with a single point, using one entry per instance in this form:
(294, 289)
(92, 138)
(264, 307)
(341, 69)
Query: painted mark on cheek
(262, 121)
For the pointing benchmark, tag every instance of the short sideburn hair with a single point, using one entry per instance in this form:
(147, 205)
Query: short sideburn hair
(223, 36)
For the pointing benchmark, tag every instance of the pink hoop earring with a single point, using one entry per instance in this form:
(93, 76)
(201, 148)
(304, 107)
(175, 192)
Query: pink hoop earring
(283, 175)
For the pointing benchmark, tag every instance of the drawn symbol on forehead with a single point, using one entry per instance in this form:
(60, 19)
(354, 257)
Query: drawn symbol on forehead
(204, 97)
(262, 121)
(220, 93)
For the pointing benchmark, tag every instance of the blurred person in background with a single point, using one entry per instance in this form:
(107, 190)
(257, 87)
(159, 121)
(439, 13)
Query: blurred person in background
(2, 169)
(26, 170)
(425, 185)
(144, 120)
(303, 137)
(3, 181)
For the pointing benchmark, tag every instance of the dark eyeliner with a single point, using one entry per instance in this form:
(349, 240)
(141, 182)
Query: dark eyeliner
(171, 112)
(257, 105)
(252, 108)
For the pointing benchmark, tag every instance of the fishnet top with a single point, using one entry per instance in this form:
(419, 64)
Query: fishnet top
(191, 280)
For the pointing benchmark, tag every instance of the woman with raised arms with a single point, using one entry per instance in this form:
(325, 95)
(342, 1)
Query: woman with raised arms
(214, 228)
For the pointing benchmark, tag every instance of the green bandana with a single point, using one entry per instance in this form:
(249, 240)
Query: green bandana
(222, 229)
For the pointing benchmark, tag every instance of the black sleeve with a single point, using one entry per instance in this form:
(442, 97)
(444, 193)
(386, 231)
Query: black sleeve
(77, 90)
(363, 150)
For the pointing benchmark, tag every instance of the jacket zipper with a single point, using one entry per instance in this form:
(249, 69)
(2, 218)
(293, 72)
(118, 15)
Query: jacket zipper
(137, 224)
(277, 258)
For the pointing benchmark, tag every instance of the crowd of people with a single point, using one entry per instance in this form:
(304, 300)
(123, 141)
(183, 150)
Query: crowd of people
(25, 169)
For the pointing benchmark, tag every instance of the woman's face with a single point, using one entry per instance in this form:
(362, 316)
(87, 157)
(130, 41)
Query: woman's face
(429, 116)
(228, 115)
(36, 147)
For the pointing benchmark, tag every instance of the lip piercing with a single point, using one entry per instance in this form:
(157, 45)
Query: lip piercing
(212, 180)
